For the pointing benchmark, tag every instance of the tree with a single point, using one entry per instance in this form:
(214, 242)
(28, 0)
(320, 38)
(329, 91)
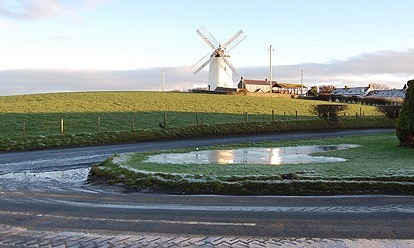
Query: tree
(380, 86)
(326, 89)
(390, 111)
(313, 91)
(405, 122)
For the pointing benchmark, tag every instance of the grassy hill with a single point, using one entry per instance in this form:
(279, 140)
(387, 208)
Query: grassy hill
(35, 121)
(102, 102)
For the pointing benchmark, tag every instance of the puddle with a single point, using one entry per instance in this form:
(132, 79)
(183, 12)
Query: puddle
(253, 155)
(72, 178)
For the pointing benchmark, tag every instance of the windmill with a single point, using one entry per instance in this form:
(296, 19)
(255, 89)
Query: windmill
(221, 70)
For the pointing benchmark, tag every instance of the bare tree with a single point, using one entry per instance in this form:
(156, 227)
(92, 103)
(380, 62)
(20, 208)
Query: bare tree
(380, 86)
(326, 89)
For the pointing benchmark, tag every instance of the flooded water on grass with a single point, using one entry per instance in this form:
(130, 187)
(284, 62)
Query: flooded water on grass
(253, 155)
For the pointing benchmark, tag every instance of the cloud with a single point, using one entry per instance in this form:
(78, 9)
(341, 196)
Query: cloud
(393, 68)
(43, 9)
(30, 9)
(28, 81)
(382, 62)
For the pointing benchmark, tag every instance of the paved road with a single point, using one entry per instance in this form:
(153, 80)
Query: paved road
(45, 202)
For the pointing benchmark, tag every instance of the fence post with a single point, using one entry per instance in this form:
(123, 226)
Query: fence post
(24, 127)
(284, 114)
(165, 120)
(246, 116)
(62, 127)
(99, 124)
(273, 115)
(133, 123)
(360, 111)
(197, 118)
(296, 114)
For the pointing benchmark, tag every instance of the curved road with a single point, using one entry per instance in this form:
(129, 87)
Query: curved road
(45, 201)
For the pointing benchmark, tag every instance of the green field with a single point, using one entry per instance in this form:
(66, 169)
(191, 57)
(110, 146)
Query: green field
(94, 112)
(379, 165)
(110, 102)
(35, 122)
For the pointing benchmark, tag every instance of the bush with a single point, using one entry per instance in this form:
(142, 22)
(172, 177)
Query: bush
(313, 91)
(391, 112)
(328, 111)
(405, 122)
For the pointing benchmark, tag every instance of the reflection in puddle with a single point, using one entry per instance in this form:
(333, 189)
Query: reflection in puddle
(273, 156)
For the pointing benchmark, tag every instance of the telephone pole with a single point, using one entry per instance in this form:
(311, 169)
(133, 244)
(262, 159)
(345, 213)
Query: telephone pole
(301, 83)
(271, 71)
(163, 75)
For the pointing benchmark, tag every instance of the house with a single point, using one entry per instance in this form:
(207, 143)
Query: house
(254, 85)
(358, 92)
(264, 86)
(367, 95)
(393, 94)
(386, 97)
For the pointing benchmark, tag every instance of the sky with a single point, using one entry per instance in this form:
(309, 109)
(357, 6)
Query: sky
(104, 45)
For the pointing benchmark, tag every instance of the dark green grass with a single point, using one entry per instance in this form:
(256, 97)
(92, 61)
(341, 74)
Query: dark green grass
(19, 124)
(377, 157)
(124, 111)
(378, 166)
(91, 118)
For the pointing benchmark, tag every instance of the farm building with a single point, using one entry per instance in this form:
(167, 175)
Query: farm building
(289, 88)
(264, 86)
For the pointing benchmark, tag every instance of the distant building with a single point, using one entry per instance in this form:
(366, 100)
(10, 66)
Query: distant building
(394, 93)
(290, 88)
(225, 90)
(255, 85)
(352, 92)
(264, 86)
(367, 95)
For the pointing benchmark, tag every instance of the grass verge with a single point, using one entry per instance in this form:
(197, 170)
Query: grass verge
(204, 130)
(379, 166)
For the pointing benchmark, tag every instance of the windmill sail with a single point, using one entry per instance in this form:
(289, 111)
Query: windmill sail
(208, 38)
(197, 67)
(233, 41)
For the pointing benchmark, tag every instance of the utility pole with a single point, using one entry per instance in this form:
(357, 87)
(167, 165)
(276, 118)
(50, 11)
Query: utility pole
(271, 72)
(163, 75)
(301, 83)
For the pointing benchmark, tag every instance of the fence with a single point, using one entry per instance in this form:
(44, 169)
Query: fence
(38, 124)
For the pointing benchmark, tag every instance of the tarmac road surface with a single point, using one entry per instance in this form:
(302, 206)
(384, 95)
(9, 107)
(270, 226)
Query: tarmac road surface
(46, 202)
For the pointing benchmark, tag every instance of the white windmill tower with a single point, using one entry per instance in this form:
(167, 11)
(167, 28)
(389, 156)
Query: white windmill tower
(221, 70)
